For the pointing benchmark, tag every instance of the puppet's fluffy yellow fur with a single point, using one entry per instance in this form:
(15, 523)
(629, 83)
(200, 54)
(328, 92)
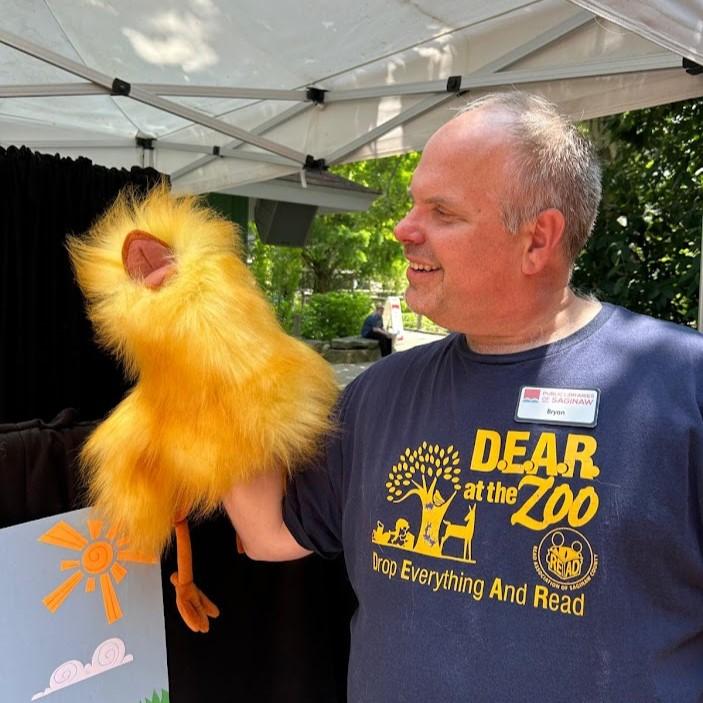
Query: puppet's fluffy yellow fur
(221, 391)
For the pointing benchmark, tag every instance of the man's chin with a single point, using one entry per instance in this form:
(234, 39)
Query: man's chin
(416, 303)
(422, 306)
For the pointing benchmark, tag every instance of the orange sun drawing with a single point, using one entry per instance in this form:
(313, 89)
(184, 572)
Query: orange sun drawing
(100, 560)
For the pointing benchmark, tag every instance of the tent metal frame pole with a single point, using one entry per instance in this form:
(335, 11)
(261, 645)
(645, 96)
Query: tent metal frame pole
(213, 91)
(225, 152)
(147, 98)
(481, 80)
(593, 70)
(276, 120)
(401, 118)
(185, 91)
(216, 125)
(55, 90)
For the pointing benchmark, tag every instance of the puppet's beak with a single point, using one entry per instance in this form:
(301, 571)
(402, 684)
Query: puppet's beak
(147, 259)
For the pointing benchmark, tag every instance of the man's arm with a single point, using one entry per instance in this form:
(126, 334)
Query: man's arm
(255, 509)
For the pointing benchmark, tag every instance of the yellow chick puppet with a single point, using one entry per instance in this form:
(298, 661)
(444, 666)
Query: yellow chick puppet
(221, 391)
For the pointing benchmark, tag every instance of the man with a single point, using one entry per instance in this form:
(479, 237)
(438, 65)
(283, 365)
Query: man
(373, 329)
(519, 504)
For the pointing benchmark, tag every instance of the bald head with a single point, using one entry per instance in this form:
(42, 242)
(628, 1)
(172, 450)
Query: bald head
(481, 132)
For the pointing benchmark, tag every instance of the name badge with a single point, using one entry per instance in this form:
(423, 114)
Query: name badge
(558, 406)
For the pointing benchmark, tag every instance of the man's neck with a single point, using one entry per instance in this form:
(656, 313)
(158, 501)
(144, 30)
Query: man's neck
(562, 318)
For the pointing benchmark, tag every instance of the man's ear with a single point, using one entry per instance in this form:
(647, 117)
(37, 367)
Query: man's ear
(543, 241)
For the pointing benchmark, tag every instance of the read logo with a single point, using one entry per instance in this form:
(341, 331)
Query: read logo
(565, 559)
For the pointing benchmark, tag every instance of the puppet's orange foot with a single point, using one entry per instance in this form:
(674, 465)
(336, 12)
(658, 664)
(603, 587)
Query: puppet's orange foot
(193, 605)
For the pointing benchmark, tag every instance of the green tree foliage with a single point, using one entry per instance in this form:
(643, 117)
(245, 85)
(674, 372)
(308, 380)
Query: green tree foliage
(645, 249)
(335, 246)
(363, 243)
(334, 314)
(278, 271)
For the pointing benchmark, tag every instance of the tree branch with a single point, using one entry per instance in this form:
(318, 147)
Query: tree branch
(408, 494)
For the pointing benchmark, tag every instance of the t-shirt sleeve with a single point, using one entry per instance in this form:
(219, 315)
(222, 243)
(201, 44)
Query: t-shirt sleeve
(311, 513)
(313, 504)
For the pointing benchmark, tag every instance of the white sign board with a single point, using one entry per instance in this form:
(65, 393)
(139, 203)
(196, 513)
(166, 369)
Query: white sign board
(393, 316)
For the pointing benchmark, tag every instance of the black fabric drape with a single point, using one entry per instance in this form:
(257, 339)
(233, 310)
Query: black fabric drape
(38, 475)
(48, 360)
(283, 634)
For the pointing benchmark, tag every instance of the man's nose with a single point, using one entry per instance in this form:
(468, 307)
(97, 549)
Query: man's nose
(408, 230)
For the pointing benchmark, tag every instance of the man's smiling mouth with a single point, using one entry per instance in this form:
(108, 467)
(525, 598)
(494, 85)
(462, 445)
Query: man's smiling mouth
(422, 267)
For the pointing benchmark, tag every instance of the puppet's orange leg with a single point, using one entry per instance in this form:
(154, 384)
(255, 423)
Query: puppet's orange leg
(193, 605)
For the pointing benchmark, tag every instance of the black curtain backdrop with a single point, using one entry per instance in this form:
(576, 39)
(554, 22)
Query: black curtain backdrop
(48, 360)
(283, 633)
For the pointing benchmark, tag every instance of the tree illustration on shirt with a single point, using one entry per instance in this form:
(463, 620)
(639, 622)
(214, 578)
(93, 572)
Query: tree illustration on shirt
(422, 472)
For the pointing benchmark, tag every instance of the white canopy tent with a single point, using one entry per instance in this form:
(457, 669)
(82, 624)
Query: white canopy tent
(220, 94)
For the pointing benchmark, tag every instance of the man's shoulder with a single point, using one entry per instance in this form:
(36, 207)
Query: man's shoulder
(633, 336)
(626, 322)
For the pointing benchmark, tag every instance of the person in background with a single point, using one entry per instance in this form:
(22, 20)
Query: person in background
(373, 329)
(519, 504)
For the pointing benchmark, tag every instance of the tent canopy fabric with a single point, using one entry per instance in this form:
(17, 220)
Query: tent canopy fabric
(677, 26)
(222, 94)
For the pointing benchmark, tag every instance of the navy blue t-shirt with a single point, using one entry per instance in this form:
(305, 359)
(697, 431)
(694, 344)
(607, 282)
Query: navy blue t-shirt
(498, 558)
